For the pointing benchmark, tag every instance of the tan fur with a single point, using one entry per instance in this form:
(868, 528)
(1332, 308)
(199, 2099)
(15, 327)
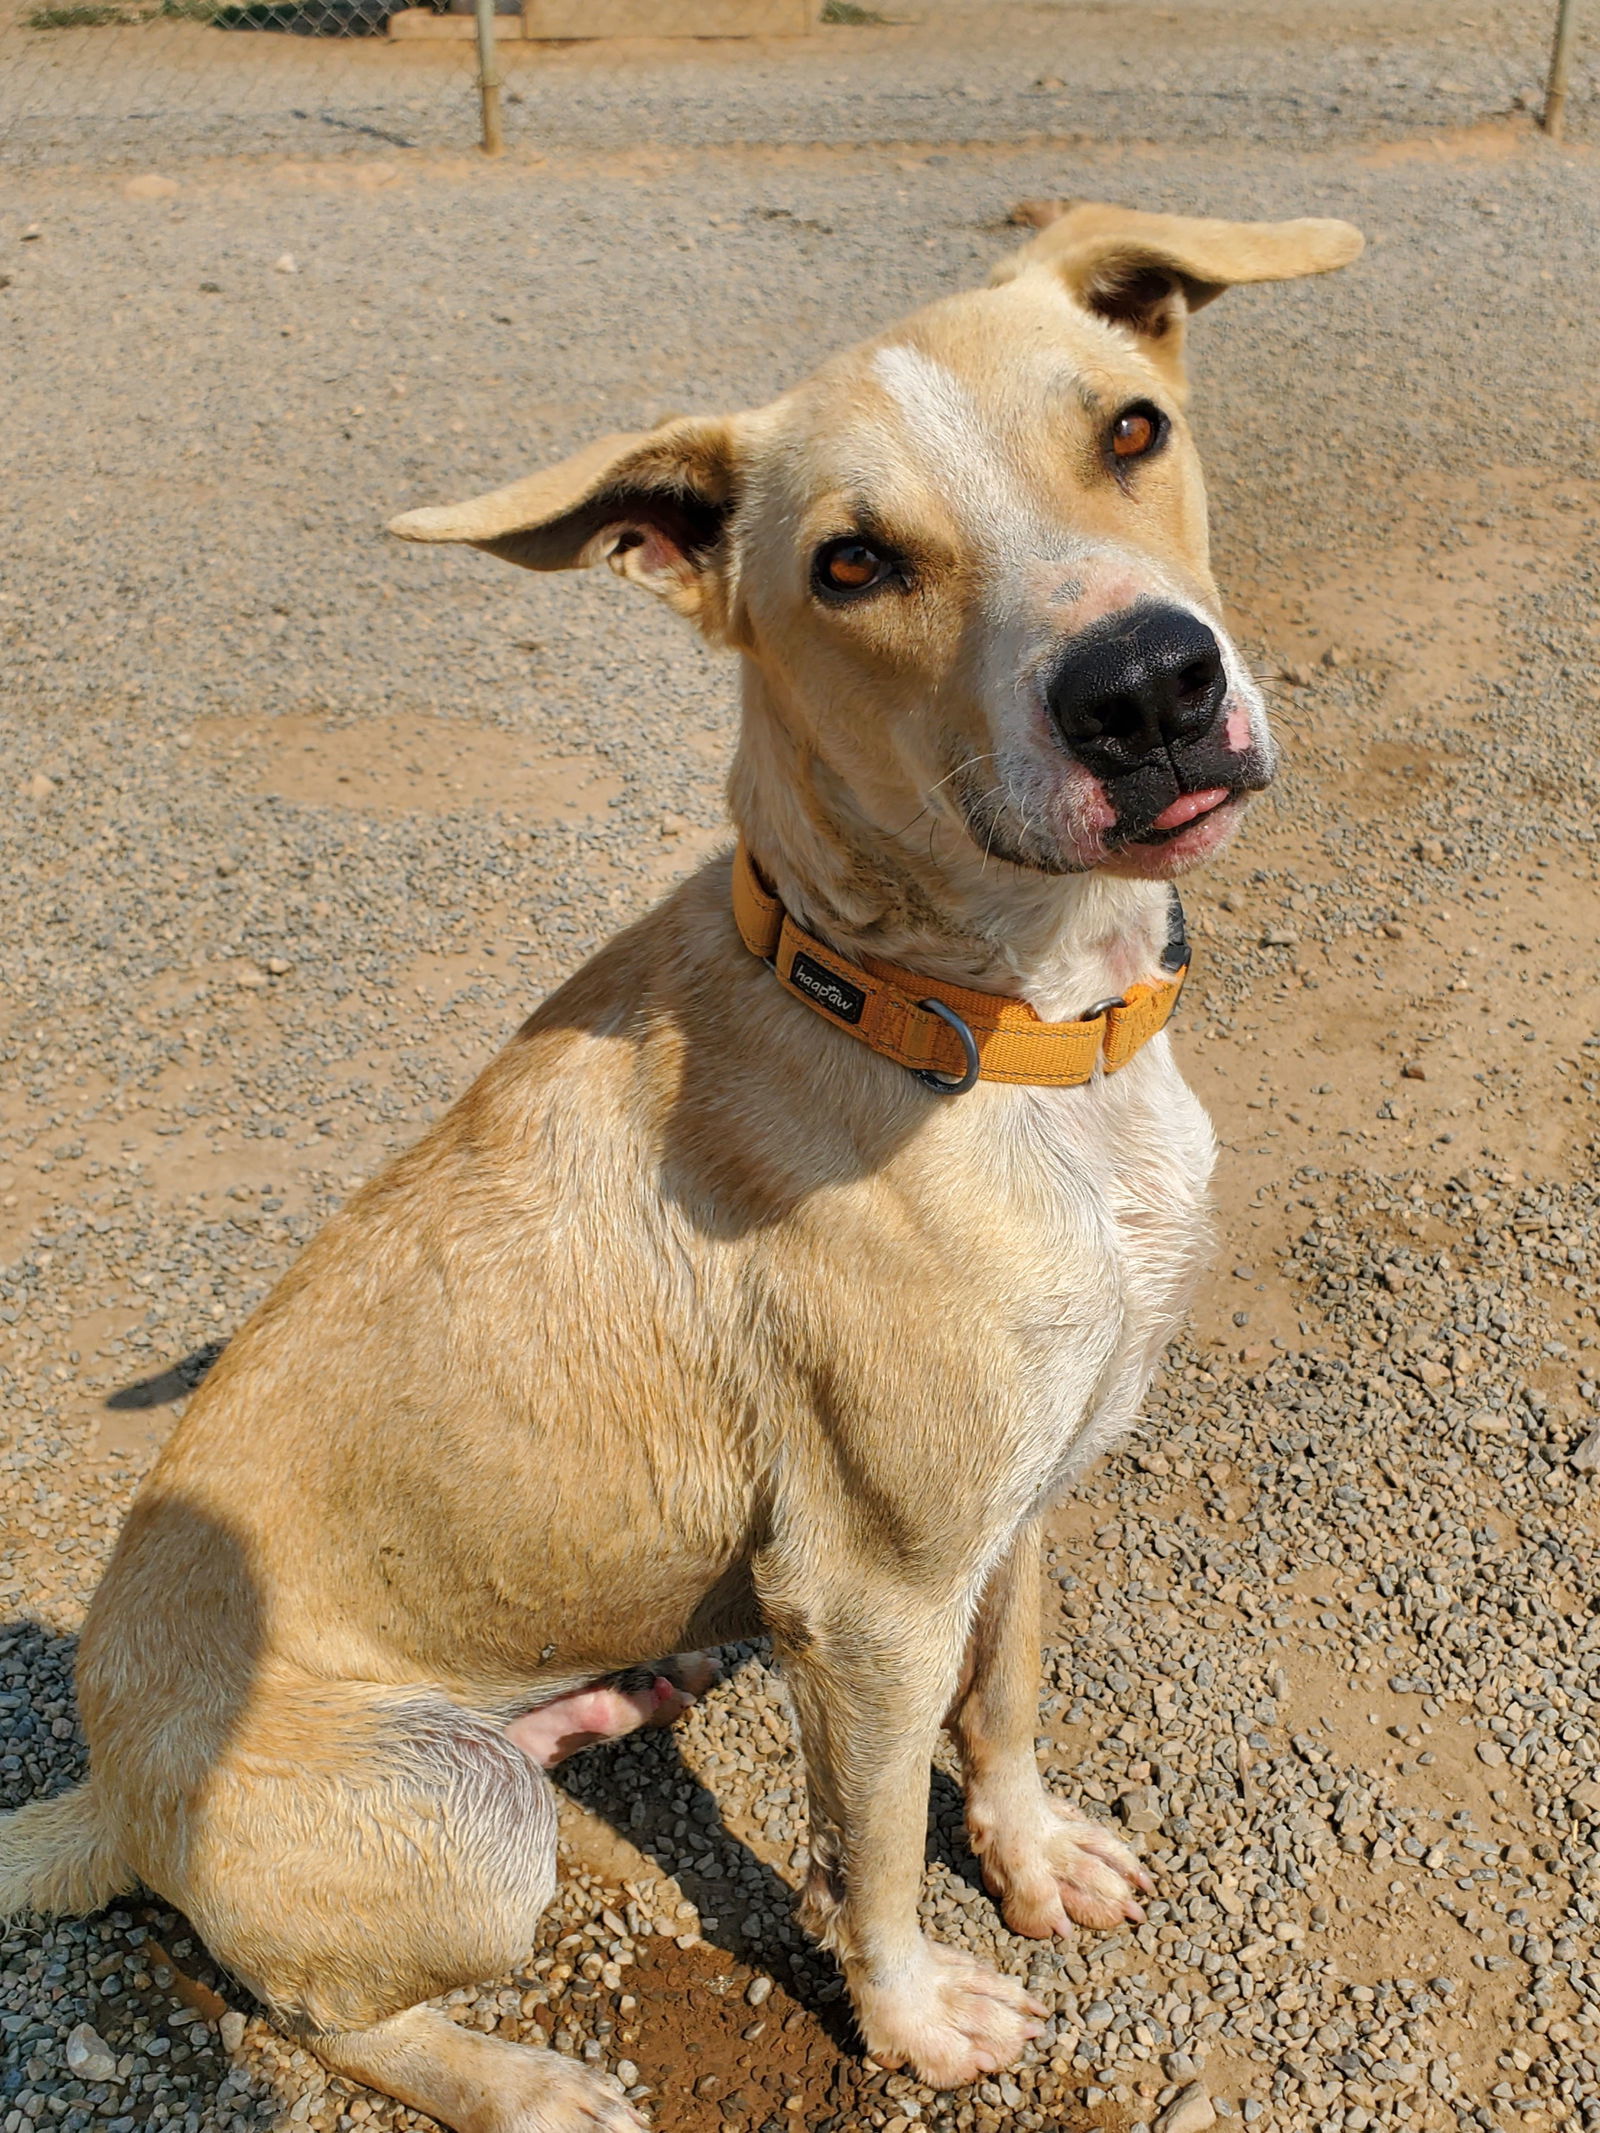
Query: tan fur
(59, 1856)
(694, 1316)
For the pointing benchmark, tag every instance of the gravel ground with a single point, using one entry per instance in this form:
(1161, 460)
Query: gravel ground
(302, 821)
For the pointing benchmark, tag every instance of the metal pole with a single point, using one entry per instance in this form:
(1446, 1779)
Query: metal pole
(489, 79)
(1555, 95)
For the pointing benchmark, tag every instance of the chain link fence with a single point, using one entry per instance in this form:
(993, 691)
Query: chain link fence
(113, 83)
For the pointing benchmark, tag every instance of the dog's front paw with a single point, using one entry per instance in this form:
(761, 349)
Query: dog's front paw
(949, 2019)
(1059, 1870)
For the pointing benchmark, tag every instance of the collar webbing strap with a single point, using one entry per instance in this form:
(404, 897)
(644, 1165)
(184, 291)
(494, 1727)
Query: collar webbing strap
(883, 1006)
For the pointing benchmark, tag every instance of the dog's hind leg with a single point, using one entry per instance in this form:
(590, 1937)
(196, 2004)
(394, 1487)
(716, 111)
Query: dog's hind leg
(1044, 1865)
(475, 2083)
(356, 1851)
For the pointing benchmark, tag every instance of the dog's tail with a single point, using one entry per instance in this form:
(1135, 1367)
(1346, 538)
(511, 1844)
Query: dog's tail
(57, 1856)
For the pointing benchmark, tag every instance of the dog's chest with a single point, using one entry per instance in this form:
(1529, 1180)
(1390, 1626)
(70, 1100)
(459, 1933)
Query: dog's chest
(1107, 1190)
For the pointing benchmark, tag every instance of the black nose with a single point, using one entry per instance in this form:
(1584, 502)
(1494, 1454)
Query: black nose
(1147, 679)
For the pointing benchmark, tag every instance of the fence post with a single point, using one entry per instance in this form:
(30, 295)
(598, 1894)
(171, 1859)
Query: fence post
(489, 79)
(1555, 95)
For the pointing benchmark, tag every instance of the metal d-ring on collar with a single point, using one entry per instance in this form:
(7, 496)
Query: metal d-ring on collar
(969, 1045)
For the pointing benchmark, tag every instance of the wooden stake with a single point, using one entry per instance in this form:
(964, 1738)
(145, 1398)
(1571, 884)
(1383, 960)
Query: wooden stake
(489, 80)
(1555, 95)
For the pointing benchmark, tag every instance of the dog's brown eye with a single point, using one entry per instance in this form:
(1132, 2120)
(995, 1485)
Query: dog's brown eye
(850, 566)
(1137, 431)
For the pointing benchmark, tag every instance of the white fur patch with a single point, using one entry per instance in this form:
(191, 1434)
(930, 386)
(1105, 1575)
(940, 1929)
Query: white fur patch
(964, 459)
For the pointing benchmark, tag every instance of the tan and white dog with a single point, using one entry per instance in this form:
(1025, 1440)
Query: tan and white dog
(711, 1307)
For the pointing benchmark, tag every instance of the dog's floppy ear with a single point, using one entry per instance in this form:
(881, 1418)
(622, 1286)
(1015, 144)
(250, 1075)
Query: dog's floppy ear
(1148, 272)
(654, 505)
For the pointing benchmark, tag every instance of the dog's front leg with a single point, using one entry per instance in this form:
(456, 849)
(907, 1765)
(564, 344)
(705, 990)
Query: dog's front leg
(1044, 1865)
(870, 1672)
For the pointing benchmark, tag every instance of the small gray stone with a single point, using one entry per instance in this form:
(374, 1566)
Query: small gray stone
(89, 2055)
(1140, 1808)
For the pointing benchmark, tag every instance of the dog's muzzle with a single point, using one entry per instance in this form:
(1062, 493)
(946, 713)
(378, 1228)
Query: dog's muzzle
(1141, 699)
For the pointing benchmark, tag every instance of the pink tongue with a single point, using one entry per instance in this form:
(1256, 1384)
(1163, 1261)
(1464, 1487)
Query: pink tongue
(1188, 805)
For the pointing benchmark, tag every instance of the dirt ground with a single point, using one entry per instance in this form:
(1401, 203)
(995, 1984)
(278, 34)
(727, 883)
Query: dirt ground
(301, 822)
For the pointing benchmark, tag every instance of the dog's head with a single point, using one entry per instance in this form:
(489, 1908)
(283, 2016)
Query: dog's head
(966, 562)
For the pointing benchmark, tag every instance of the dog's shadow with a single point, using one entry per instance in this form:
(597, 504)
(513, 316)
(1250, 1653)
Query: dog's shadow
(166, 1386)
(35, 1696)
(40, 1756)
(645, 1790)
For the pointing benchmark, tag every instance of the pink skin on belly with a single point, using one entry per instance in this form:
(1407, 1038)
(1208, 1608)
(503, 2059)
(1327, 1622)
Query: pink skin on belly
(555, 1730)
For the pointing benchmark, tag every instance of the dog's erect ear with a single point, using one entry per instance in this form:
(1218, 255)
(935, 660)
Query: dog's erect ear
(1148, 272)
(655, 505)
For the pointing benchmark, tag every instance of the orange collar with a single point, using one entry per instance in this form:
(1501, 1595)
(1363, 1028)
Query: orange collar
(947, 1036)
